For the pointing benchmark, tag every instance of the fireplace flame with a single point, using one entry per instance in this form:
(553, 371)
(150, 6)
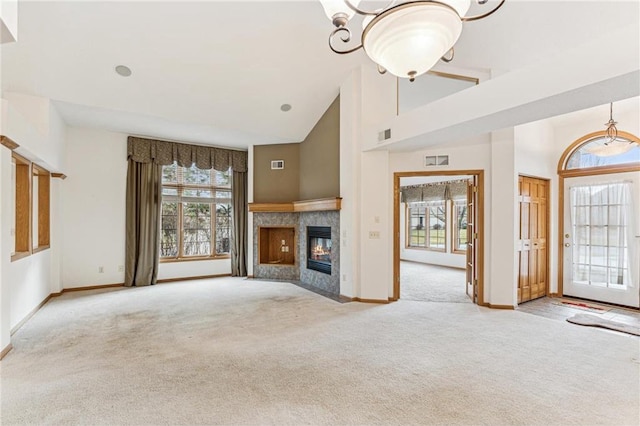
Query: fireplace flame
(319, 251)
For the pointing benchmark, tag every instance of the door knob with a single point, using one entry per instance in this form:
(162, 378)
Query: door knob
(567, 244)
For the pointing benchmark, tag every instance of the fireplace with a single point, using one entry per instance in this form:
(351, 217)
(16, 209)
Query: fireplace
(319, 249)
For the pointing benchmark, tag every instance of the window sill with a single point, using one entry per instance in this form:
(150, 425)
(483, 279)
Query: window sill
(39, 249)
(20, 255)
(193, 259)
(426, 249)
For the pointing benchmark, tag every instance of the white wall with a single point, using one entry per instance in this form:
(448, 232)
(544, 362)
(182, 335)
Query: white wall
(350, 131)
(35, 125)
(501, 259)
(376, 213)
(8, 21)
(93, 209)
(5, 246)
(94, 214)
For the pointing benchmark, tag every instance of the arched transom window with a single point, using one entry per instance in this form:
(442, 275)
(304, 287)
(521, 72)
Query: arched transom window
(593, 152)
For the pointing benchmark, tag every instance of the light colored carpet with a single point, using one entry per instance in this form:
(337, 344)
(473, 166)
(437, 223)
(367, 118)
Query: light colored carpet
(233, 351)
(432, 283)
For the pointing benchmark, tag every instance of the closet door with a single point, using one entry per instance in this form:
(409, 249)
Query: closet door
(532, 245)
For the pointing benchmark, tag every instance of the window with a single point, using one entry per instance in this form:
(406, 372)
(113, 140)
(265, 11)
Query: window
(459, 226)
(427, 225)
(600, 237)
(196, 213)
(583, 157)
(30, 216)
(40, 195)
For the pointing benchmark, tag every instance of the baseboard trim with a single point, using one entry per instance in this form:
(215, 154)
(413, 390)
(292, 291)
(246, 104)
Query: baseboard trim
(30, 314)
(90, 287)
(505, 307)
(201, 277)
(5, 351)
(378, 301)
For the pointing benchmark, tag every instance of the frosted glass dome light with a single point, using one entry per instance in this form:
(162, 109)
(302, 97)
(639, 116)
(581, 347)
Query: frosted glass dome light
(408, 41)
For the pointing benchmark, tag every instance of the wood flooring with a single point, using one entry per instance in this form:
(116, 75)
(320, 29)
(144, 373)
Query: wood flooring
(548, 307)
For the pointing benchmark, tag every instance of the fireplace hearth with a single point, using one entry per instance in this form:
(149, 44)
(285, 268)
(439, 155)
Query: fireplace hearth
(319, 249)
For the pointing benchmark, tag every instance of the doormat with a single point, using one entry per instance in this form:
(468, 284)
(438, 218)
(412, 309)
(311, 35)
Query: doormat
(593, 321)
(584, 306)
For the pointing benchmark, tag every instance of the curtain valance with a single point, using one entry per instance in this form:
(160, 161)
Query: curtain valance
(143, 150)
(434, 191)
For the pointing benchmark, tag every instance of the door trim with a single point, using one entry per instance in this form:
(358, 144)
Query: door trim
(396, 225)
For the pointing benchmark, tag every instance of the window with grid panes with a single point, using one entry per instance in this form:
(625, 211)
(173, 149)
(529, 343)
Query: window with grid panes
(196, 213)
(426, 225)
(460, 225)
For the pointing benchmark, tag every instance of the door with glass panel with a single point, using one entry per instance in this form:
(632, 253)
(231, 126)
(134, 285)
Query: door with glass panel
(600, 241)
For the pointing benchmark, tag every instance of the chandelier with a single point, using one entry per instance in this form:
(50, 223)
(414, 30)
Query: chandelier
(406, 39)
(612, 144)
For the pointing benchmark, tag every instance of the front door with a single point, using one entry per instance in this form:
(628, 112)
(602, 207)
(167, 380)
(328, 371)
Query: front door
(600, 242)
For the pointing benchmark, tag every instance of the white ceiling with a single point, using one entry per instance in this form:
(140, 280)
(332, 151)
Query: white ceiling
(217, 72)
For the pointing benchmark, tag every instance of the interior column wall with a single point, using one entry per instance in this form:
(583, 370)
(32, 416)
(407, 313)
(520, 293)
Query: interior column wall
(502, 290)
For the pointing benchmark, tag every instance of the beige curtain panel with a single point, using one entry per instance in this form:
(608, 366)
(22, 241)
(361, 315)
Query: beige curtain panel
(239, 235)
(434, 191)
(163, 153)
(144, 196)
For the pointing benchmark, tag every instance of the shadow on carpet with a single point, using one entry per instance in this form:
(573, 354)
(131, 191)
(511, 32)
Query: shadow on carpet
(593, 321)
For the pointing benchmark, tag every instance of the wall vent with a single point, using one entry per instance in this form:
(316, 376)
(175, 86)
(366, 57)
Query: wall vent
(384, 135)
(436, 160)
(277, 164)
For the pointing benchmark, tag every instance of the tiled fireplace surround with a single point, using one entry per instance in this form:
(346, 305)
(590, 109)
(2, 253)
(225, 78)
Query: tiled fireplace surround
(299, 272)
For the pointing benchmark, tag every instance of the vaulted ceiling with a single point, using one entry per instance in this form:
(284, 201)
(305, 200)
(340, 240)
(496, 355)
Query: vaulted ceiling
(217, 72)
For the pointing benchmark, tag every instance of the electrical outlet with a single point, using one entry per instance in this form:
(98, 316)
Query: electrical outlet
(374, 235)
(121, 268)
(101, 269)
(344, 277)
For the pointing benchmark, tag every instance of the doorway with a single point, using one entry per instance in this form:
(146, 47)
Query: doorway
(447, 223)
(599, 220)
(600, 260)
